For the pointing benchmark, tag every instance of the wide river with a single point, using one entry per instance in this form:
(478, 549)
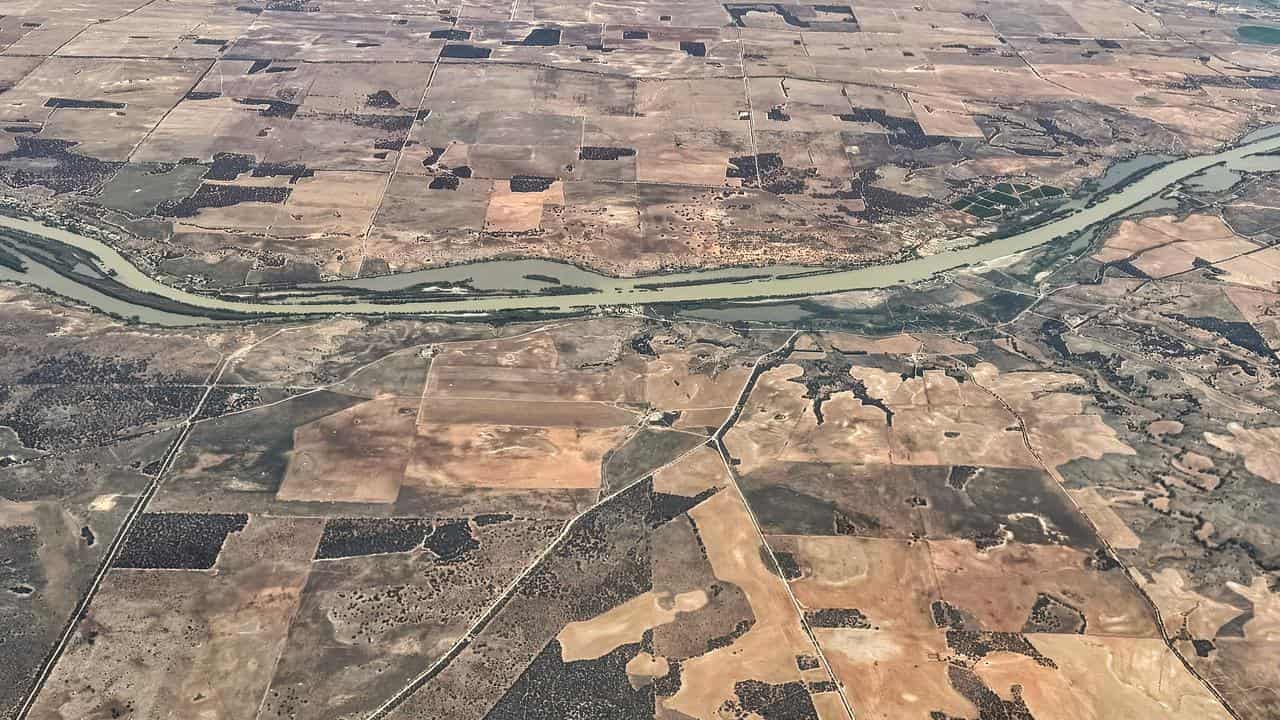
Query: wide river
(578, 289)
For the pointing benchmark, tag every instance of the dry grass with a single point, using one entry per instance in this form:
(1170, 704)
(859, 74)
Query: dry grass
(187, 644)
(670, 384)
(893, 675)
(889, 581)
(525, 413)
(698, 471)
(1182, 607)
(508, 456)
(147, 87)
(1258, 269)
(998, 587)
(852, 432)
(762, 430)
(1260, 448)
(1260, 309)
(1102, 677)
(519, 211)
(767, 652)
(354, 455)
(624, 624)
(1164, 246)
(1111, 527)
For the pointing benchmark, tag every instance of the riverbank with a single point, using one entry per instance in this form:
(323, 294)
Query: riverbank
(89, 271)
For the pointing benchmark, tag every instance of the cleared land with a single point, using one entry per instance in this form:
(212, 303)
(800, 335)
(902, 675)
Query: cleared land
(1044, 487)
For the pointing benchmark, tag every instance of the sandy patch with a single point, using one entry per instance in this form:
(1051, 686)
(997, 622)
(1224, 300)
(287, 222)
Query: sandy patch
(1259, 446)
(626, 623)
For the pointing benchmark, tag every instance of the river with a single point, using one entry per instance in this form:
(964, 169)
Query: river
(545, 286)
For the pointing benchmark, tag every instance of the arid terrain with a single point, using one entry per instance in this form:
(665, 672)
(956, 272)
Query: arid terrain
(1044, 487)
(230, 143)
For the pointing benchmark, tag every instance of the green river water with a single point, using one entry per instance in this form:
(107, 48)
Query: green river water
(502, 286)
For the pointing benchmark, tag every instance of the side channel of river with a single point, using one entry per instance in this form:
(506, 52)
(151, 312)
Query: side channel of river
(575, 289)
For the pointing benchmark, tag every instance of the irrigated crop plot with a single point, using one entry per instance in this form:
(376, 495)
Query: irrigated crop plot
(710, 134)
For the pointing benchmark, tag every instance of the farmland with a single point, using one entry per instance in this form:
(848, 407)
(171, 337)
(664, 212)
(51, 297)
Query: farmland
(1039, 485)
